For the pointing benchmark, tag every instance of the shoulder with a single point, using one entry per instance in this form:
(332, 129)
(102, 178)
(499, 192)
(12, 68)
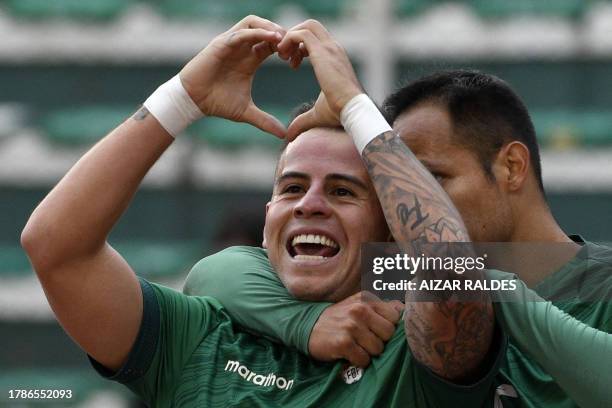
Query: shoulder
(236, 256)
(600, 253)
(239, 263)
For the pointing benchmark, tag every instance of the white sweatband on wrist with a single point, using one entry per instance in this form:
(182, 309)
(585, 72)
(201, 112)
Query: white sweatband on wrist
(363, 121)
(172, 106)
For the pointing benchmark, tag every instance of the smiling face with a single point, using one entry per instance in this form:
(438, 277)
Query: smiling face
(322, 209)
(428, 131)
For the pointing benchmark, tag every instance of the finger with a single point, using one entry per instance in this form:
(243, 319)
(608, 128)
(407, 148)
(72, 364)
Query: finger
(379, 325)
(300, 124)
(399, 306)
(251, 36)
(296, 60)
(263, 50)
(291, 42)
(300, 54)
(314, 26)
(387, 310)
(254, 21)
(357, 356)
(370, 342)
(264, 121)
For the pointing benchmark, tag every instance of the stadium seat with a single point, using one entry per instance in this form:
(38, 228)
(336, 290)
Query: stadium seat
(100, 10)
(82, 126)
(566, 129)
(230, 135)
(322, 8)
(13, 261)
(232, 10)
(411, 8)
(543, 8)
(161, 259)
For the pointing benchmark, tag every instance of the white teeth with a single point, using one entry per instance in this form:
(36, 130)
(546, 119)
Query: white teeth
(313, 239)
(309, 257)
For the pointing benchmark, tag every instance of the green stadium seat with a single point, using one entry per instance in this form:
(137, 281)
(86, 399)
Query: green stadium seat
(231, 10)
(566, 129)
(411, 8)
(546, 8)
(13, 261)
(99, 10)
(161, 259)
(82, 126)
(230, 135)
(322, 8)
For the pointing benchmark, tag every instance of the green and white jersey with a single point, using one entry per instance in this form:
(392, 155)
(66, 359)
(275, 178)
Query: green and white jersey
(188, 353)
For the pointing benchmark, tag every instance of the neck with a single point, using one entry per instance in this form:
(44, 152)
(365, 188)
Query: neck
(535, 223)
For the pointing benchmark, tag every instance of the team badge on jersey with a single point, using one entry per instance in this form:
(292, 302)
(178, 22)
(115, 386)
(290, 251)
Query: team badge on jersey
(352, 374)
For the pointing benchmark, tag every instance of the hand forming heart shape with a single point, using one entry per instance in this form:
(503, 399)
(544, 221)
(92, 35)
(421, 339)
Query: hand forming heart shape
(219, 79)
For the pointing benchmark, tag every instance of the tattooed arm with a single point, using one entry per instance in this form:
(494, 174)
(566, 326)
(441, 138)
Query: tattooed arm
(450, 337)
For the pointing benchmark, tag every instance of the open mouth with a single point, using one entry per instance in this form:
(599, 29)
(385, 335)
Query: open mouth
(312, 247)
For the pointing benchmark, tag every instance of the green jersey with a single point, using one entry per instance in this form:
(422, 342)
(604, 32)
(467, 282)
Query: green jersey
(256, 299)
(188, 353)
(570, 336)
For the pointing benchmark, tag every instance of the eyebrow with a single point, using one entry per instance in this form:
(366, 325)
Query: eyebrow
(333, 176)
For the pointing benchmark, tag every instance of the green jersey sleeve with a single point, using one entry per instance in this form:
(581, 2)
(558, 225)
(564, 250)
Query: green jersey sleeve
(577, 355)
(243, 281)
(172, 326)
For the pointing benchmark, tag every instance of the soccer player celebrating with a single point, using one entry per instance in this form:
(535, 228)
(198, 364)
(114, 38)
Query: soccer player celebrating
(173, 349)
(472, 132)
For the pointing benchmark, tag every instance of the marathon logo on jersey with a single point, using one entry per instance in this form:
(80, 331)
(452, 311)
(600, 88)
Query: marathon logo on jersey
(269, 380)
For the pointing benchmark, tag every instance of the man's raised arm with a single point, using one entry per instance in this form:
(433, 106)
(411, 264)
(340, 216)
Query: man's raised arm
(449, 337)
(92, 290)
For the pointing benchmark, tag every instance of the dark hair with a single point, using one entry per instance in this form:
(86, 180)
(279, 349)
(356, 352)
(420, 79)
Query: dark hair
(485, 111)
(304, 107)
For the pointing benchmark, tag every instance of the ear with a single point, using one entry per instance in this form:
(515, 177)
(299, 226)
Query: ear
(513, 165)
(263, 243)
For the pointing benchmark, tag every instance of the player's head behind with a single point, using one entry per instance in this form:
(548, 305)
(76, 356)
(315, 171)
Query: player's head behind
(323, 207)
(475, 135)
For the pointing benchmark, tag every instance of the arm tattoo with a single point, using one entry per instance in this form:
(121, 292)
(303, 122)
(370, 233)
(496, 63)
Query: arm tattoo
(450, 337)
(403, 213)
(141, 114)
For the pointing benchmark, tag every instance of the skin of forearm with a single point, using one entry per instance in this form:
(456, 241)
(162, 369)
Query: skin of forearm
(76, 217)
(450, 337)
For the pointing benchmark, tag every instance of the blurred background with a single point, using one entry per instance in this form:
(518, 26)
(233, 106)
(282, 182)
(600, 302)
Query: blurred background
(71, 70)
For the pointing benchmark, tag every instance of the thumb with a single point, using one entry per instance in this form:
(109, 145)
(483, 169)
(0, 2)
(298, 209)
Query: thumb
(301, 123)
(264, 121)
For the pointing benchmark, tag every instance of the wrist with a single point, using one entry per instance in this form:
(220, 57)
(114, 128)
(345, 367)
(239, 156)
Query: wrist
(172, 106)
(363, 121)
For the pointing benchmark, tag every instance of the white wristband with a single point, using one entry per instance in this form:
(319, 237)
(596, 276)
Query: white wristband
(172, 106)
(363, 121)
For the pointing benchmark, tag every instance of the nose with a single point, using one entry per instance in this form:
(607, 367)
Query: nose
(312, 204)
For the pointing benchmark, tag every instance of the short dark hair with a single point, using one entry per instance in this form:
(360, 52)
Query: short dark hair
(486, 113)
(304, 107)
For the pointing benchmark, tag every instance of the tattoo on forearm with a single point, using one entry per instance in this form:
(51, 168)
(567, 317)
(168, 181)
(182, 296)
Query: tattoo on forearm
(404, 212)
(448, 336)
(400, 179)
(448, 339)
(141, 114)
